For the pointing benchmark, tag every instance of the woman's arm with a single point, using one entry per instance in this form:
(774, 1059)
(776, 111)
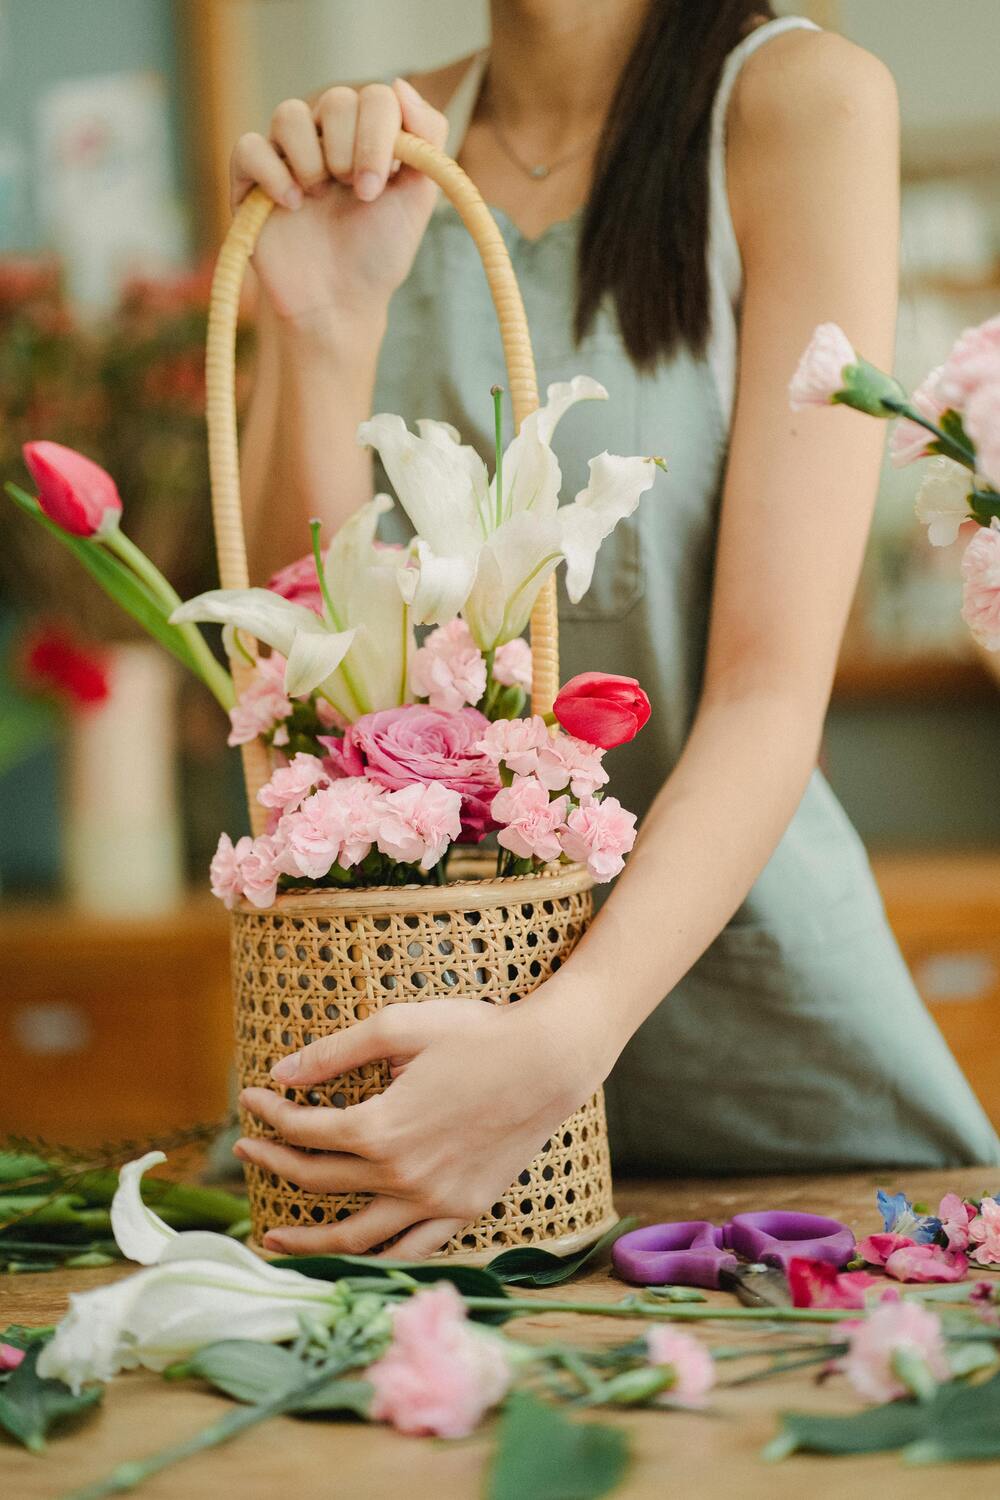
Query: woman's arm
(477, 1089)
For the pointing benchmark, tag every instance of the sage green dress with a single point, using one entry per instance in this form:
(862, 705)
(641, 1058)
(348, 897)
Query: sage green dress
(797, 1041)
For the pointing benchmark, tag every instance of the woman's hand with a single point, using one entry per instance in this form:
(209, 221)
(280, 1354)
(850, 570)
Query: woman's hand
(356, 217)
(476, 1091)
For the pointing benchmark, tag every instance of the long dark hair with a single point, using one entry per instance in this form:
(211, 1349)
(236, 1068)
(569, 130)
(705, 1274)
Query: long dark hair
(645, 229)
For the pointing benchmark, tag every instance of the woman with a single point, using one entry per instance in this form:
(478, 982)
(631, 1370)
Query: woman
(683, 186)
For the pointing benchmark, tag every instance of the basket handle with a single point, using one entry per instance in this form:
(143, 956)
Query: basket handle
(220, 374)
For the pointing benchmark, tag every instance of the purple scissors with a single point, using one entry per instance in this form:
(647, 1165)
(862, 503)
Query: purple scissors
(749, 1255)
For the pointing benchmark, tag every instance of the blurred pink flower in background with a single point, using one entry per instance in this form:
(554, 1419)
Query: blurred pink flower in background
(599, 835)
(894, 1326)
(299, 583)
(974, 360)
(418, 822)
(981, 592)
(531, 821)
(10, 1357)
(820, 372)
(984, 1233)
(693, 1366)
(440, 1374)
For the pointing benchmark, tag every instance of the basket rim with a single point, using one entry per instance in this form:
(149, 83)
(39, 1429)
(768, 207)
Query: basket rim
(567, 880)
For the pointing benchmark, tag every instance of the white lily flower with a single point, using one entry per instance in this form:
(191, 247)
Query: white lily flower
(943, 501)
(313, 649)
(196, 1287)
(485, 556)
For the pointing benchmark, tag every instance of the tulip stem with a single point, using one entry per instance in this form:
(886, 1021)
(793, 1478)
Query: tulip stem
(213, 675)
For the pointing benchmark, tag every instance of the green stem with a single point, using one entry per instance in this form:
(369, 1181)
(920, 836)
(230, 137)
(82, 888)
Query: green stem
(954, 449)
(214, 676)
(671, 1311)
(497, 393)
(361, 703)
(405, 654)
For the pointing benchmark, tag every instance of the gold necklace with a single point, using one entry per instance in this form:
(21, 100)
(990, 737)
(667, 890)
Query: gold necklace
(537, 171)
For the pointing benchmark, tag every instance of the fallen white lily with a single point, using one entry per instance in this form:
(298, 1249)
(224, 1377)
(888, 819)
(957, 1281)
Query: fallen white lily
(484, 553)
(197, 1287)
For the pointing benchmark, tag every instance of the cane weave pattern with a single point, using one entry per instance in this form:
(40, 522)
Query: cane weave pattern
(319, 961)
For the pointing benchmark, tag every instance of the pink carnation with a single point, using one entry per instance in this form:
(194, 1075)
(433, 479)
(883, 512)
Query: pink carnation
(531, 821)
(981, 595)
(290, 784)
(337, 825)
(599, 835)
(693, 1366)
(263, 704)
(909, 440)
(815, 1283)
(299, 583)
(955, 1215)
(564, 759)
(974, 360)
(398, 746)
(984, 1233)
(516, 743)
(225, 870)
(894, 1326)
(820, 374)
(260, 867)
(440, 1374)
(418, 822)
(449, 670)
(512, 664)
(982, 423)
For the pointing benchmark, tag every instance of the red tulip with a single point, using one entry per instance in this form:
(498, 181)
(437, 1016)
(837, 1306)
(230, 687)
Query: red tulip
(73, 491)
(602, 709)
(67, 669)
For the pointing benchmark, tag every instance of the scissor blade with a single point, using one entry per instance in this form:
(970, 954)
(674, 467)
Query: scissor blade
(758, 1286)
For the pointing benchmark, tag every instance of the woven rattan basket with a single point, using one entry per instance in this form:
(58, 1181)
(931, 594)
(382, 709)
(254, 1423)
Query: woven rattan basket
(320, 960)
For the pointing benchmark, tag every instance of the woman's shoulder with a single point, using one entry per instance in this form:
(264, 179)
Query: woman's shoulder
(812, 81)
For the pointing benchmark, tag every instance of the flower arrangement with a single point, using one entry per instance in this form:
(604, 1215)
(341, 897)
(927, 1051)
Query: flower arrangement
(953, 418)
(388, 750)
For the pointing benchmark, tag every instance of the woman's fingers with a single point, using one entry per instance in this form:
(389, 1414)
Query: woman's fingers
(354, 1130)
(255, 162)
(336, 116)
(378, 121)
(392, 1032)
(372, 1225)
(294, 134)
(419, 117)
(331, 1172)
(423, 1239)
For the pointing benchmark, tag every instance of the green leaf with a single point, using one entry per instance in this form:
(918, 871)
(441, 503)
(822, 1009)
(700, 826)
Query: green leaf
(543, 1455)
(14, 1167)
(962, 1423)
(471, 1281)
(31, 1406)
(873, 1431)
(117, 581)
(531, 1266)
(253, 1372)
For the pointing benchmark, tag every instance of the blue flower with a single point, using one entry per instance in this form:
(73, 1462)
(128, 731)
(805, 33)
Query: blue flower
(898, 1217)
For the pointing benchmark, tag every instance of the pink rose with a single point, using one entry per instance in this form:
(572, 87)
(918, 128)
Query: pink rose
(10, 1357)
(820, 373)
(877, 1248)
(982, 423)
(693, 1366)
(516, 743)
(601, 709)
(981, 592)
(224, 872)
(909, 440)
(263, 704)
(926, 1263)
(337, 825)
(398, 746)
(955, 1215)
(530, 821)
(975, 359)
(291, 784)
(893, 1326)
(815, 1283)
(259, 869)
(512, 664)
(441, 1374)
(418, 822)
(449, 670)
(73, 491)
(599, 834)
(984, 1233)
(299, 583)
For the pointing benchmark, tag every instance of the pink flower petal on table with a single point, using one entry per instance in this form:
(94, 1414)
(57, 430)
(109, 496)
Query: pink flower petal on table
(815, 1283)
(877, 1248)
(926, 1263)
(10, 1357)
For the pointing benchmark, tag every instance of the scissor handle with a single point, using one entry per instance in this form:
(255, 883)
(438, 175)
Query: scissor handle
(690, 1253)
(779, 1235)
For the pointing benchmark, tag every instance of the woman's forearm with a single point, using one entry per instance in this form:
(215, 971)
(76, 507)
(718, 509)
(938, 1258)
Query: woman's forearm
(313, 386)
(706, 838)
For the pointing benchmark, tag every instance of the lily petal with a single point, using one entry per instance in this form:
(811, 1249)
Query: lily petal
(140, 1234)
(612, 493)
(436, 481)
(263, 614)
(435, 587)
(313, 657)
(532, 477)
(513, 565)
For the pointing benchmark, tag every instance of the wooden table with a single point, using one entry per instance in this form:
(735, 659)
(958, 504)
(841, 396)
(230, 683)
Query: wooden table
(689, 1456)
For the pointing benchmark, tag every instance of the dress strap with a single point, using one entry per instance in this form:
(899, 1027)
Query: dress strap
(724, 263)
